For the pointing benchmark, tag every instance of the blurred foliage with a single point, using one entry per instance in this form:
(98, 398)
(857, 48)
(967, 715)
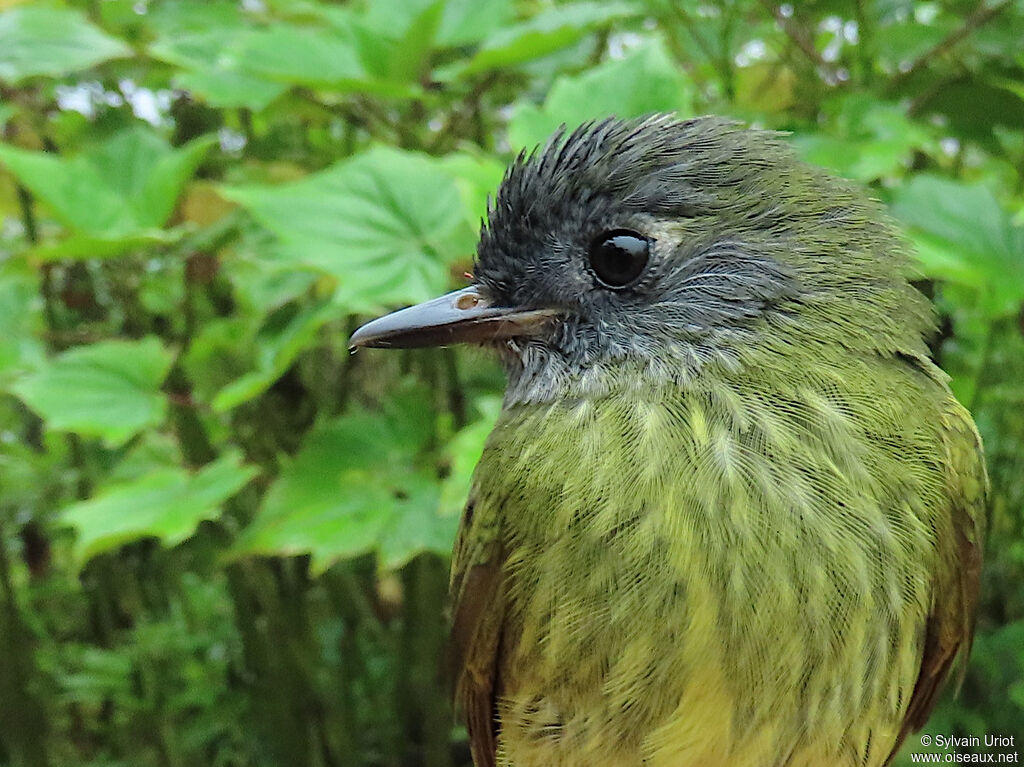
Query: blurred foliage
(223, 539)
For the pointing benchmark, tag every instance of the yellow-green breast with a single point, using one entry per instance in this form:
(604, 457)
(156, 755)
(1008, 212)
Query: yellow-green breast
(736, 571)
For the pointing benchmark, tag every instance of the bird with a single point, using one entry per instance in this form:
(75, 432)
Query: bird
(730, 512)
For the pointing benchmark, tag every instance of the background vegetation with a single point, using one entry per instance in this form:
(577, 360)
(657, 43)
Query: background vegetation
(224, 539)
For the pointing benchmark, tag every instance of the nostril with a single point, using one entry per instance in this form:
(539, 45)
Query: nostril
(467, 301)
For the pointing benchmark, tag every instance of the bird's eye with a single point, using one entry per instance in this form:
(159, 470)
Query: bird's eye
(619, 257)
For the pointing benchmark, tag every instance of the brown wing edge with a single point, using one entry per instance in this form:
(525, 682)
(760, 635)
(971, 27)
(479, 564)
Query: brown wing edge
(478, 614)
(949, 631)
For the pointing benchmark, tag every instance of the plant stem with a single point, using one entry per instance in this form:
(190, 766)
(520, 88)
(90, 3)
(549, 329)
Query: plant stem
(24, 725)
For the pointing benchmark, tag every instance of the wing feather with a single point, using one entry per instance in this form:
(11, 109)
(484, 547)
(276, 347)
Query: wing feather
(950, 628)
(477, 589)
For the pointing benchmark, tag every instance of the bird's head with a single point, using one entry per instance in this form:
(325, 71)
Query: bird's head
(647, 250)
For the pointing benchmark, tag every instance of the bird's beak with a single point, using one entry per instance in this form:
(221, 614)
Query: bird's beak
(465, 316)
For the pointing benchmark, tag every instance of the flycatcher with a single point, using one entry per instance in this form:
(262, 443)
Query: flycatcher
(730, 514)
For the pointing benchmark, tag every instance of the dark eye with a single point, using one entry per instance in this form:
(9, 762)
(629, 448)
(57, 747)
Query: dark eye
(618, 257)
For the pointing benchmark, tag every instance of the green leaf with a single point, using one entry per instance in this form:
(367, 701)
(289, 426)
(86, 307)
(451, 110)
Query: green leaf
(224, 88)
(477, 176)
(36, 40)
(122, 188)
(644, 81)
(974, 106)
(463, 453)
(868, 139)
(277, 349)
(899, 43)
(181, 17)
(964, 236)
(109, 389)
(386, 62)
(93, 675)
(470, 21)
(79, 247)
(415, 524)
(209, 59)
(240, 65)
(386, 224)
(221, 351)
(462, 22)
(166, 503)
(260, 285)
(354, 488)
(547, 32)
(152, 451)
(313, 56)
(411, 52)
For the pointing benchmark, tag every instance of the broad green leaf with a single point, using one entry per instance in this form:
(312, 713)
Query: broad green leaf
(394, 516)
(868, 139)
(463, 453)
(124, 187)
(313, 56)
(463, 22)
(387, 61)
(396, 38)
(898, 43)
(109, 389)
(182, 17)
(260, 285)
(547, 32)
(355, 487)
(241, 65)
(152, 451)
(221, 351)
(415, 524)
(84, 246)
(220, 87)
(410, 55)
(477, 176)
(166, 503)
(470, 21)
(644, 81)
(210, 64)
(277, 348)
(37, 40)
(386, 224)
(975, 106)
(964, 236)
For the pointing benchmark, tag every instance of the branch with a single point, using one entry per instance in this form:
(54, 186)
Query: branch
(684, 17)
(799, 37)
(981, 15)
(720, 62)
